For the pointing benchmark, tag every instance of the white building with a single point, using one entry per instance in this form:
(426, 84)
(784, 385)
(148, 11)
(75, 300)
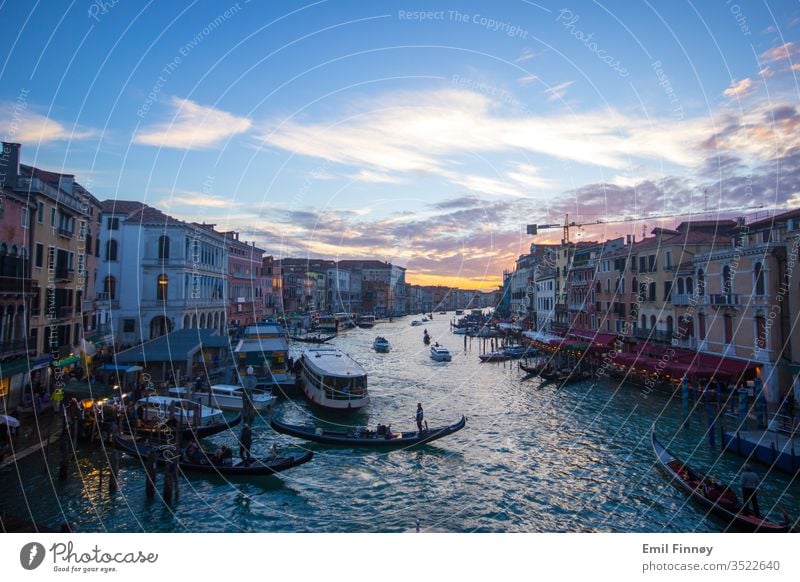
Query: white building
(546, 293)
(157, 274)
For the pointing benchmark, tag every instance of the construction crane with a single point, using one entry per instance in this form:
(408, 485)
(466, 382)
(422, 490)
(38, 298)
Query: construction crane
(533, 229)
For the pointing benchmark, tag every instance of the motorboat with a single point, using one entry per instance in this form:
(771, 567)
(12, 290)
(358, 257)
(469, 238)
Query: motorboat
(381, 345)
(231, 397)
(366, 321)
(416, 322)
(163, 415)
(440, 353)
(332, 379)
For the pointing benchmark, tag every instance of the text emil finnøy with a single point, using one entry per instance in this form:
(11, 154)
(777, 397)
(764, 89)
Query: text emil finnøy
(676, 549)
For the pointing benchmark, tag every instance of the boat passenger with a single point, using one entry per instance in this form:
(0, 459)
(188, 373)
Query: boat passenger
(192, 453)
(419, 416)
(389, 433)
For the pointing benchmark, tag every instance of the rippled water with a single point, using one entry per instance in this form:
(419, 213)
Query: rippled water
(532, 458)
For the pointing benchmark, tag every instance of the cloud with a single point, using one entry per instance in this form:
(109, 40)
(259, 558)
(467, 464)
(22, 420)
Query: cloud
(739, 89)
(375, 177)
(527, 54)
(527, 80)
(192, 126)
(782, 52)
(21, 124)
(557, 92)
(189, 198)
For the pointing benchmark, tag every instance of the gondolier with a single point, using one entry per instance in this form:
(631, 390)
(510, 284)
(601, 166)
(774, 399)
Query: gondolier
(420, 416)
(245, 441)
(750, 489)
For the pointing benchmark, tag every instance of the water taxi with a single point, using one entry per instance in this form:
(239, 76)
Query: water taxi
(381, 345)
(366, 321)
(159, 415)
(440, 353)
(265, 348)
(333, 380)
(231, 397)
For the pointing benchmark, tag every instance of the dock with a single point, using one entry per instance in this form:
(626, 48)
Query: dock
(774, 448)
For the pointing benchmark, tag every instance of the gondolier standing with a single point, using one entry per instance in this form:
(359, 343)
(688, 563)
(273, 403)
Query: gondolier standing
(245, 440)
(420, 416)
(750, 489)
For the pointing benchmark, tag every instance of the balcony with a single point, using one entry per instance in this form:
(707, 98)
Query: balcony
(724, 300)
(577, 306)
(653, 335)
(16, 285)
(65, 274)
(65, 232)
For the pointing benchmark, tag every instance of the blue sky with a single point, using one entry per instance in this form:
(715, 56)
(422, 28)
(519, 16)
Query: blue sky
(424, 133)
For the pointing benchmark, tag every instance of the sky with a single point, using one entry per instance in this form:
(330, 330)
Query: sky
(428, 134)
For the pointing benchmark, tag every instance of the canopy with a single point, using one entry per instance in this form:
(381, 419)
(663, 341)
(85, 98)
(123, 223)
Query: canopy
(599, 339)
(68, 361)
(124, 369)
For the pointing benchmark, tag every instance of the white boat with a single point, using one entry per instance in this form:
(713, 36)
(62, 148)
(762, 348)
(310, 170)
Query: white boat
(366, 321)
(460, 330)
(381, 345)
(416, 322)
(517, 351)
(154, 409)
(440, 353)
(332, 379)
(229, 397)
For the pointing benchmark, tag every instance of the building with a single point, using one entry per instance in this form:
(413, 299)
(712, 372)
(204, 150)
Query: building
(273, 287)
(337, 283)
(159, 274)
(246, 281)
(382, 286)
(546, 283)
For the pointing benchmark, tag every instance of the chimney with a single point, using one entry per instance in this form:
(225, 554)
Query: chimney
(9, 165)
(628, 240)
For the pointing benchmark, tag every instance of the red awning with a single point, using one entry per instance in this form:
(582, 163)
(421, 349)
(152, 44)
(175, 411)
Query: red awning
(711, 364)
(600, 339)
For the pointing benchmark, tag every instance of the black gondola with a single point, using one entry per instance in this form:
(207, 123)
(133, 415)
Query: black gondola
(698, 487)
(367, 438)
(312, 339)
(530, 370)
(164, 430)
(264, 466)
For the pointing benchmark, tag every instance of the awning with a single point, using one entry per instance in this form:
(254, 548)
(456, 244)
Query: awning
(124, 369)
(601, 339)
(573, 346)
(718, 365)
(68, 361)
(14, 367)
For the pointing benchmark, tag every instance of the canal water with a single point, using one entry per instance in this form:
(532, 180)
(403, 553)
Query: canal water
(532, 458)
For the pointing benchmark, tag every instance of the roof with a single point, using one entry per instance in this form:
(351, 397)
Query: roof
(176, 346)
(265, 344)
(332, 362)
(52, 178)
(121, 207)
(770, 222)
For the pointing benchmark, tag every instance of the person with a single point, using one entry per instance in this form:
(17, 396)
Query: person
(191, 452)
(750, 489)
(58, 397)
(245, 440)
(420, 416)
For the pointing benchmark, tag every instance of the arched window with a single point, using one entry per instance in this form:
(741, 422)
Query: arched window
(761, 332)
(727, 280)
(680, 286)
(597, 287)
(163, 247)
(652, 322)
(644, 322)
(110, 287)
(608, 285)
(111, 250)
(689, 286)
(652, 294)
(728, 323)
(622, 285)
(670, 324)
(701, 326)
(162, 287)
(701, 283)
(758, 273)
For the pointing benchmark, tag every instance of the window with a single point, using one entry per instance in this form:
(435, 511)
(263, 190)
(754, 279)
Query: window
(644, 322)
(40, 212)
(668, 260)
(111, 250)
(163, 247)
(761, 332)
(39, 257)
(758, 273)
(701, 283)
(110, 287)
(667, 290)
(162, 287)
(680, 286)
(727, 280)
(652, 293)
(651, 263)
(652, 322)
(670, 325)
(701, 326)
(52, 216)
(113, 224)
(728, 321)
(128, 325)
(26, 214)
(642, 265)
(689, 286)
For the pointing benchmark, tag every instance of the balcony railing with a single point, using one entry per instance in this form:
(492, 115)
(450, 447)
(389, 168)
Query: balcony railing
(20, 285)
(724, 299)
(65, 232)
(577, 306)
(654, 335)
(65, 274)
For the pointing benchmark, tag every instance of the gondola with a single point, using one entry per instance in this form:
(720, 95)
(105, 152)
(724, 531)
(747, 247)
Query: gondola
(696, 486)
(318, 339)
(164, 430)
(426, 339)
(264, 466)
(366, 438)
(530, 370)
